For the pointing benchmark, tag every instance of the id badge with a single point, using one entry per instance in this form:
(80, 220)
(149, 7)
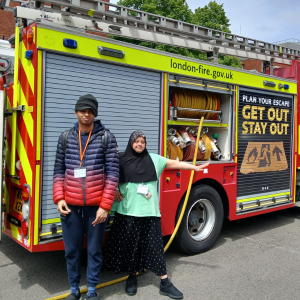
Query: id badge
(80, 173)
(142, 189)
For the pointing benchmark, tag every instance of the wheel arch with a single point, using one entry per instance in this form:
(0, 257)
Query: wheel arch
(193, 247)
(215, 185)
(220, 190)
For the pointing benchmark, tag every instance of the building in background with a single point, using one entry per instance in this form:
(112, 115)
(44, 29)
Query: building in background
(258, 65)
(7, 23)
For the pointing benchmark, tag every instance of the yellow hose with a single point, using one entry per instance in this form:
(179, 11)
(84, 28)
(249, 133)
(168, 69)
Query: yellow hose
(99, 286)
(188, 190)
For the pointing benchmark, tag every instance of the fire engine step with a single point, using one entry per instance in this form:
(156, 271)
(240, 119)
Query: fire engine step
(250, 206)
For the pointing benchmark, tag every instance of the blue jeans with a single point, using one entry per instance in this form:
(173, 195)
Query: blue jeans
(75, 225)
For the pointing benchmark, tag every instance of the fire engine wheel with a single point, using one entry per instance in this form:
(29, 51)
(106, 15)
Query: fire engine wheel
(202, 220)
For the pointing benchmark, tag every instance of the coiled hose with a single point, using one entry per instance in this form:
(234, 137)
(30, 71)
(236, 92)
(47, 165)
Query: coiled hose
(195, 100)
(99, 286)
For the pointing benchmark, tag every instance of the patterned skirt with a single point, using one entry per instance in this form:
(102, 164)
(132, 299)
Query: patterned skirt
(135, 244)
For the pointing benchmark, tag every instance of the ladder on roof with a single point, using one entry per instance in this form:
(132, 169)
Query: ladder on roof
(95, 15)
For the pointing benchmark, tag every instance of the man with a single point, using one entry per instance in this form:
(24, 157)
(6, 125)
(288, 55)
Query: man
(84, 184)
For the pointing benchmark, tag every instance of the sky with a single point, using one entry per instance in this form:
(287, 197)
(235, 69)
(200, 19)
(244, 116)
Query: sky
(266, 20)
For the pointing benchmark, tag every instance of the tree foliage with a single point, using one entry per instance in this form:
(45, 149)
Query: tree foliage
(211, 15)
(175, 9)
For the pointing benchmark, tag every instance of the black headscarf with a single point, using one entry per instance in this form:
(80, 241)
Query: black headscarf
(136, 167)
(87, 101)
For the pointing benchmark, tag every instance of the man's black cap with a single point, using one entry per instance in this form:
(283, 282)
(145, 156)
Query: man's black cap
(87, 101)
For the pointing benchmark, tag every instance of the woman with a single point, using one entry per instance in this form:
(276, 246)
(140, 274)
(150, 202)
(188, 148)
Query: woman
(135, 242)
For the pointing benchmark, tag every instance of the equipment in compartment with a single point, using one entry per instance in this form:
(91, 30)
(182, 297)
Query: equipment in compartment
(175, 144)
(217, 153)
(174, 152)
(188, 152)
(182, 150)
(192, 104)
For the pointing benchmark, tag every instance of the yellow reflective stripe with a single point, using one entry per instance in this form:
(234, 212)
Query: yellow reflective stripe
(196, 124)
(15, 232)
(7, 161)
(15, 100)
(24, 160)
(33, 29)
(147, 59)
(6, 201)
(13, 128)
(298, 139)
(39, 106)
(27, 66)
(165, 87)
(50, 233)
(295, 180)
(262, 204)
(296, 121)
(236, 119)
(7, 152)
(28, 120)
(91, 12)
(23, 155)
(261, 197)
(51, 221)
(29, 233)
(36, 205)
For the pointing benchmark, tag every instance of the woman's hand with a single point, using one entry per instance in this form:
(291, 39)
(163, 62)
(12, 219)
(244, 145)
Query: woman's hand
(119, 197)
(201, 167)
(181, 165)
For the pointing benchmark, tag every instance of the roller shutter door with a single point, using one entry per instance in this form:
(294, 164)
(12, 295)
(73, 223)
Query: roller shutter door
(129, 99)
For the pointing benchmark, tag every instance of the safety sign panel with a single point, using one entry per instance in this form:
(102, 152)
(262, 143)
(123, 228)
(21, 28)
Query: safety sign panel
(265, 130)
(264, 157)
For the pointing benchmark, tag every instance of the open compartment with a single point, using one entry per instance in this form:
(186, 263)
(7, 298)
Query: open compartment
(187, 104)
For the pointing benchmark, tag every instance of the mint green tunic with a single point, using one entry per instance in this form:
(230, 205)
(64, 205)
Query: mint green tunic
(135, 204)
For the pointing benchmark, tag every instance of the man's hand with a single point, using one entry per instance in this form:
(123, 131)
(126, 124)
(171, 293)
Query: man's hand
(119, 197)
(201, 167)
(63, 208)
(100, 216)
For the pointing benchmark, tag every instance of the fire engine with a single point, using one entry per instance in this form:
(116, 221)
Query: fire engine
(249, 135)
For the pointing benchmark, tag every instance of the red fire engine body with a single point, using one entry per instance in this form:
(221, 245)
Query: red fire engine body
(257, 131)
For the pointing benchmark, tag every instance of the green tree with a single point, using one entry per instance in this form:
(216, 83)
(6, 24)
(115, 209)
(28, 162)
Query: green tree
(230, 61)
(179, 10)
(174, 9)
(212, 16)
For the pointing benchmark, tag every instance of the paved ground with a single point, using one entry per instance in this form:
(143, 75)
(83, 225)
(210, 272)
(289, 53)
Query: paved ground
(256, 258)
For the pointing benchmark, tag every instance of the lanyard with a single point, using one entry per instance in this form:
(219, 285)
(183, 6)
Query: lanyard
(80, 147)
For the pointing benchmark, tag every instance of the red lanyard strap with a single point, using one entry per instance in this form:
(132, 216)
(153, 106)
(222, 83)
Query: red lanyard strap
(80, 147)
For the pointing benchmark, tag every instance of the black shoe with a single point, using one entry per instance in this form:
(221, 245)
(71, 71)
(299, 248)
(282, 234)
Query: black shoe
(170, 290)
(92, 296)
(131, 285)
(76, 296)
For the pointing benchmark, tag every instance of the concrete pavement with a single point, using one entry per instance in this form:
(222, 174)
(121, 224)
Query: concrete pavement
(255, 258)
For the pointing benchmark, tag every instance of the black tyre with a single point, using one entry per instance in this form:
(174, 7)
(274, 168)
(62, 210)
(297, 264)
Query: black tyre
(202, 220)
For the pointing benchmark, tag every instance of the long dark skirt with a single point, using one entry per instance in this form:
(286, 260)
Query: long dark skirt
(135, 244)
